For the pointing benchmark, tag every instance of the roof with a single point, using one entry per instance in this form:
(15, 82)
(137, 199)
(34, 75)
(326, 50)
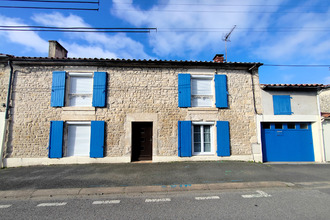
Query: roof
(117, 60)
(293, 86)
(325, 114)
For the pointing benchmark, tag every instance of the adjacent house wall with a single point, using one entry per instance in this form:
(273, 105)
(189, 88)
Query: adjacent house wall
(325, 100)
(304, 108)
(134, 94)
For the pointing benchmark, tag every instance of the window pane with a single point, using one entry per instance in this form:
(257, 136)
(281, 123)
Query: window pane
(197, 147)
(266, 125)
(197, 134)
(201, 87)
(80, 100)
(201, 101)
(303, 126)
(291, 126)
(207, 147)
(278, 126)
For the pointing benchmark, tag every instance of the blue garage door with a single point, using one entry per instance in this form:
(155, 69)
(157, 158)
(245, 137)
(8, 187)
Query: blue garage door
(287, 142)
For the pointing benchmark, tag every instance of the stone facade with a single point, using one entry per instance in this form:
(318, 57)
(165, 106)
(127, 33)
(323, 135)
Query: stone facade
(325, 100)
(137, 91)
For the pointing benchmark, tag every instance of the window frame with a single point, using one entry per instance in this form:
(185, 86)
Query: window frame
(68, 87)
(203, 77)
(66, 136)
(202, 124)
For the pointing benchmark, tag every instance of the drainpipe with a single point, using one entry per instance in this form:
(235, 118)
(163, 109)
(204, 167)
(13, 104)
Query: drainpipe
(6, 112)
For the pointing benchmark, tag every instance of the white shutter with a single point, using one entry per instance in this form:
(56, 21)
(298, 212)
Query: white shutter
(81, 90)
(78, 140)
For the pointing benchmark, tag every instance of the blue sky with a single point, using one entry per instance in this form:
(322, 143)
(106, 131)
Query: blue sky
(268, 31)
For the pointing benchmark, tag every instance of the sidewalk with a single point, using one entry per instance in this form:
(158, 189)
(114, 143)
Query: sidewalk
(91, 179)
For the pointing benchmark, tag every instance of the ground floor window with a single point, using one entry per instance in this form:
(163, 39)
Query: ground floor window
(78, 143)
(202, 139)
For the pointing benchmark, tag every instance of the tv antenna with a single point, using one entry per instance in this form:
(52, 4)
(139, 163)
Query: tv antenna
(226, 39)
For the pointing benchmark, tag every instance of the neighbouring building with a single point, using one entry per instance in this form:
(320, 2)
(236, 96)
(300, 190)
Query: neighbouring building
(290, 127)
(325, 112)
(76, 110)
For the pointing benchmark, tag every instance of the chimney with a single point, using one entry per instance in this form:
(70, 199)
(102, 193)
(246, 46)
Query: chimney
(56, 50)
(218, 58)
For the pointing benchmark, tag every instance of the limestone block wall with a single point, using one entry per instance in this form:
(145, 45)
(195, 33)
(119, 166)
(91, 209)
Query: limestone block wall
(145, 91)
(325, 100)
(4, 80)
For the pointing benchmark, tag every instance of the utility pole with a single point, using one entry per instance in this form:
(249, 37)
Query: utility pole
(226, 39)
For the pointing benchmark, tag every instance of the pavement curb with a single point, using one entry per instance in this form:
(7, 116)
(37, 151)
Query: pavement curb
(30, 193)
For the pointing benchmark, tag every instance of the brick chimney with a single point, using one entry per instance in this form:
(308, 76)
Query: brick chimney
(56, 50)
(218, 58)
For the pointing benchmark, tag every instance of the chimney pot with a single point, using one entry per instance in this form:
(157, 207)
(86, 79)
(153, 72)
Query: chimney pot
(56, 50)
(218, 58)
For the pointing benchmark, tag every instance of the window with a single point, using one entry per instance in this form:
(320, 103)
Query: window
(79, 89)
(202, 91)
(81, 139)
(303, 126)
(198, 138)
(291, 126)
(78, 143)
(282, 104)
(202, 143)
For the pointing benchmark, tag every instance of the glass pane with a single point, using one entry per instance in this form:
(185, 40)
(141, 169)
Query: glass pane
(80, 100)
(197, 137)
(303, 126)
(197, 147)
(201, 87)
(278, 126)
(201, 101)
(207, 134)
(197, 128)
(266, 125)
(207, 147)
(291, 126)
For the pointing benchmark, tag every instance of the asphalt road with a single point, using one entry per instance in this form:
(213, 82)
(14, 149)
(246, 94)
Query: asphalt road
(274, 203)
(151, 174)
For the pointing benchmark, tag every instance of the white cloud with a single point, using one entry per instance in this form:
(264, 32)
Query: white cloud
(118, 45)
(327, 80)
(31, 40)
(168, 42)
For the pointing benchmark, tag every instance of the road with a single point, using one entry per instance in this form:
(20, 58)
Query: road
(308, 202)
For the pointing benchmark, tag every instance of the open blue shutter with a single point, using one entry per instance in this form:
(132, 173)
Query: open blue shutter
(282, 104)
(55, 139)
(97, 139)
(184, 86)
(221, 93)
(223, 138)
(184, 138)
(99, 89)
(58, 89)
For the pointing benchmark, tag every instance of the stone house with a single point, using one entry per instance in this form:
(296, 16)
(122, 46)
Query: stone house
(325, 113)
(76, 110)
(291, 124)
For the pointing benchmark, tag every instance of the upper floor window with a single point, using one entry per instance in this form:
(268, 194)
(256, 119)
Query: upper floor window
(202, 91)
(282, 104)
(79, 89)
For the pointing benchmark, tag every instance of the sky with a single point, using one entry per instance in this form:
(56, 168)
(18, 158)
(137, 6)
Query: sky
(284, 35)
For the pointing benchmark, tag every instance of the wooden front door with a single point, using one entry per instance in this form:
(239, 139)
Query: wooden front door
(141, 141)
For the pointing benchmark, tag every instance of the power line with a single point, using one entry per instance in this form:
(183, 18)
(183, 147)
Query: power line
(54, 8)
(91, 28)
(55, 1)
(86, 31)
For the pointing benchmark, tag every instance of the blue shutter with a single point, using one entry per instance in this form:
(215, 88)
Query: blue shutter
(55, 139)
(97, 139)
(58, 89)
(223, 138)
(221, 93)
(282, 104)
(184, 138)
(184, 86)
(99, 89)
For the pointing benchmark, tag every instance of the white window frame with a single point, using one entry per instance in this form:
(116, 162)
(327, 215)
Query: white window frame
(209, 77)
(211, 124)
(68, 94)
(66, 135)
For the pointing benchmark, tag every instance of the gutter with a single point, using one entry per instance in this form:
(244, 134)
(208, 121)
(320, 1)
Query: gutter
(9, 88)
